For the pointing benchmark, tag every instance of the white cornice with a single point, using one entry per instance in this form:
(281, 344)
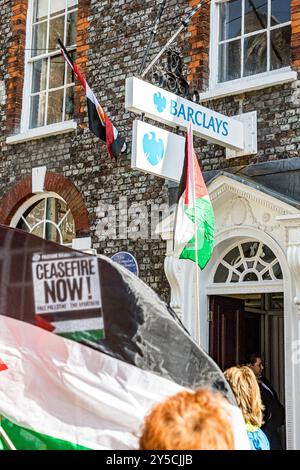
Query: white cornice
(42, 132)
(223, 184)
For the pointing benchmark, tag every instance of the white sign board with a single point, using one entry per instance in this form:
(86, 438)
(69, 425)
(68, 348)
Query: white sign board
(168, 108)
(157, 151)
(63, 283)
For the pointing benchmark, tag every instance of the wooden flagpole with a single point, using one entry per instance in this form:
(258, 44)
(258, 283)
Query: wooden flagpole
(5, 437)
(197, 283)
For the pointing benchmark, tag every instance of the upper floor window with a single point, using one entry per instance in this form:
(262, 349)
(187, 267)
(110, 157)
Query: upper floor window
(49, 83)
(254, 37)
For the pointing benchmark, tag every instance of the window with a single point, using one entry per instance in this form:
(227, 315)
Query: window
(46, 216)
(253, 37)
(50, 82)
(249, 261)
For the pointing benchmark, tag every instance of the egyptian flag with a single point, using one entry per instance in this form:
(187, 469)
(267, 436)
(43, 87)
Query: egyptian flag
(194, 221)
(99, 122)
(86, 362)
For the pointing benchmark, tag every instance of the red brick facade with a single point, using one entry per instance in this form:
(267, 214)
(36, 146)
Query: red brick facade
(15, 66)
(199, 44)
(295, 45)
(81, 57)
(53, 182)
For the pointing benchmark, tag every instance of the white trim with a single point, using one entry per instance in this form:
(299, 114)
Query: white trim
(37, 197)
(38, 175)
(245, 287)
(29, 202)
(42, 132)
(27, 71)
(247, 84)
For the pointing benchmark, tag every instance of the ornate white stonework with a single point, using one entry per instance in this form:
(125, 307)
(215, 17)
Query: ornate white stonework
(291, 225)
(244, 213)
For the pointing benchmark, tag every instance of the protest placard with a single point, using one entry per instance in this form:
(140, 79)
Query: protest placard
(64, 283)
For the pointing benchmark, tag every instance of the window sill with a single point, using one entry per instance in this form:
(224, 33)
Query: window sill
(42, 132)
(247, 84)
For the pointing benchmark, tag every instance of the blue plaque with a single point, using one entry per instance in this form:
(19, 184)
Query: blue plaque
(127, 260)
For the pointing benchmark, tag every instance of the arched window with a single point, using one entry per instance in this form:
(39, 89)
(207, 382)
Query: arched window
(248, 262)
(47, 216)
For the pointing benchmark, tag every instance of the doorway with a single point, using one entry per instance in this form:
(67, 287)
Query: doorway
(240, 324)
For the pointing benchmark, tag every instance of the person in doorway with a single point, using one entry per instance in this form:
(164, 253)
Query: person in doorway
(245, 387)
(273, 414)
(189, 420)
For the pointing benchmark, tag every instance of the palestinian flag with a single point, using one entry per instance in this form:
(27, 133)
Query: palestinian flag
(99, 122)
(194, 222)
(67, 386)
(59, 394)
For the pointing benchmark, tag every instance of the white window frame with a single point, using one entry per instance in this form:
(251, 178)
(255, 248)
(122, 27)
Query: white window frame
(252, 82)
(37, 198)
(32, 133)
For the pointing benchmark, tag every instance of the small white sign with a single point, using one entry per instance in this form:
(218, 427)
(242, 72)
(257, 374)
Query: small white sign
(63, 283)
(38, 179)
(168, 108)
(2, 93)
(157, 151)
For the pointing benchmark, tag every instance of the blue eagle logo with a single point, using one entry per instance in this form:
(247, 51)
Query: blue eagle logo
(154, 149)
(160, 102)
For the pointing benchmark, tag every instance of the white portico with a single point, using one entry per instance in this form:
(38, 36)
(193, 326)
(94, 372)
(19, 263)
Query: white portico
(267, 224)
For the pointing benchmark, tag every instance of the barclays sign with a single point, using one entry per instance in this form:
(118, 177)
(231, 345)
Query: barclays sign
(165, 107)
(157, 151)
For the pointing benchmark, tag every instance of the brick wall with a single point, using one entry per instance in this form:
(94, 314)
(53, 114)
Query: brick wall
(295, 12)
(112, 36)
(199, 30)
(15, 65)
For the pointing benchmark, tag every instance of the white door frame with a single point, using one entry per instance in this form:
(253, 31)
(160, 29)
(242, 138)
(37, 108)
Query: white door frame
(223, 240)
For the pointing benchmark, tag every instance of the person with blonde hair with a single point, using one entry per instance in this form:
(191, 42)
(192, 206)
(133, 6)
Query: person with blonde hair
(245, 387)
(189, 420)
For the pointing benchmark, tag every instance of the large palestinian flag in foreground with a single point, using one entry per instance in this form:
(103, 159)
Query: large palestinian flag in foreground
(65, 384)
(194, 223)
(58, 394)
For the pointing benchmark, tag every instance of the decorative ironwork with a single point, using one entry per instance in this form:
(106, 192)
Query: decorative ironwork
(249, 261)
(171, 77)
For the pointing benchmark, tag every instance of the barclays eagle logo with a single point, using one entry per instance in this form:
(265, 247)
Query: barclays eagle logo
(160, 102)
(153, 149)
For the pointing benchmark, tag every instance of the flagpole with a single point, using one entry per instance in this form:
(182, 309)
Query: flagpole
(153, 33)
(184, 24)
(197, 283)
(5, 438)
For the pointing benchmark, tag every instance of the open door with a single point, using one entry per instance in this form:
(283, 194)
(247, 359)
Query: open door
(227, 331)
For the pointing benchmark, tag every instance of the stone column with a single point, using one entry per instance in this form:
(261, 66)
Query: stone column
(291, 224)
